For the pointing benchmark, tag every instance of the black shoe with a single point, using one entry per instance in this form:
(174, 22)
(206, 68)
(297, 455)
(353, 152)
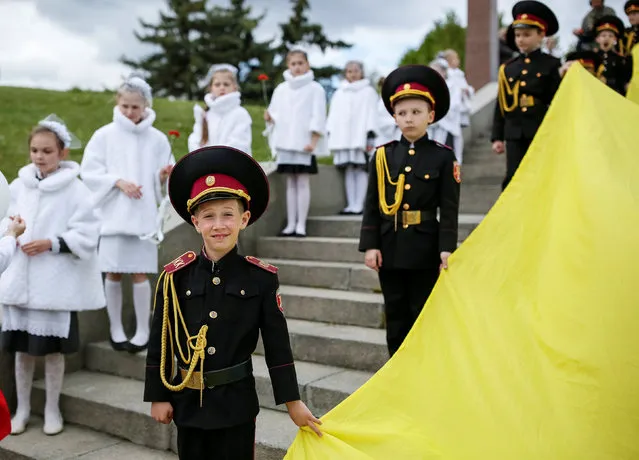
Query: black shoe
(120, 346)
(285, 235)
(299, 235)
(133, 349)
(345, 213)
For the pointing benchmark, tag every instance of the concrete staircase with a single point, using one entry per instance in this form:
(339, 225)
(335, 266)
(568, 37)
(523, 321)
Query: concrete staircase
(335, 318)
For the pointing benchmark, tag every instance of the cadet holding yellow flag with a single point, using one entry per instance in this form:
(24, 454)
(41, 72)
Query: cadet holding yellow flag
(410, 180)
(210, 309)
(527, 84)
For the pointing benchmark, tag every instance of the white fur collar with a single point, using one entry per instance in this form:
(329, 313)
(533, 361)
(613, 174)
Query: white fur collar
(300, 80)
(67, 172)
(123, 122)
(223, 104)
(356, 85)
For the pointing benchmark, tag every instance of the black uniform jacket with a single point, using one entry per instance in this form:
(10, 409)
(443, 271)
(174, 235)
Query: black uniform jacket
(244, 303)
(538, 74)
(617, 71)
(430, 185)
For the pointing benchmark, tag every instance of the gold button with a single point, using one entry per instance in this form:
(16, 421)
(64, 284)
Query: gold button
(511, 79)
(407, 187)
(524, 72)
(408, 169)
(523, 83)
(211, 350)
(524, 109)
(539, 75)
(411, 151)
(188, 292)
(426, 176)
(527, 60)
(405, 226)
(213, 315)
(216, 280)
(242, 292)
(406, 206)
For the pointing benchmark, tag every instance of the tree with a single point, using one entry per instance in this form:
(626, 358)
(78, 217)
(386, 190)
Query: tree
(190, 37)
(299, 32)
(446, 34)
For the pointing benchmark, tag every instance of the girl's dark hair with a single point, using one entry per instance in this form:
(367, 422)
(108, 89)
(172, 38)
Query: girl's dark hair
(297, 51)
(43, 129)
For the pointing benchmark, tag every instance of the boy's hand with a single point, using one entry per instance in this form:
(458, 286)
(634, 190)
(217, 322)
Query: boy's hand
(162, 412)
(302, 416)
(444, 256)
(373, 259)
(499, 147)
(16, 227)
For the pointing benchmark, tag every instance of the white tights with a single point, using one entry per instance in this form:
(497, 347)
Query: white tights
(54, 376)
(298, 202)
(356, 182)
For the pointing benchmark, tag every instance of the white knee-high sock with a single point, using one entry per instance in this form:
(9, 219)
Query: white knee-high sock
(350, 184)
(113, 294)
(303, 202)
(54, 375)
(24, 367)
(291, 203)
(361, 185)
(142, 305)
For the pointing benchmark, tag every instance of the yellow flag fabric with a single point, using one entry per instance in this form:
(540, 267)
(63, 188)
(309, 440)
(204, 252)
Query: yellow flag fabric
(633, 88)
(528, 348)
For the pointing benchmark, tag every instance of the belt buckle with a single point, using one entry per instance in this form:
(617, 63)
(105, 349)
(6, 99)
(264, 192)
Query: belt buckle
(526, 101)
(411, 217)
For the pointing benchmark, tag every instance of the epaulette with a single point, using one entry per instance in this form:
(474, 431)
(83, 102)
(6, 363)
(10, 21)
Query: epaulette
(443, 145)
(260, 263)
(511, 60)
(181, 262)
(387, 143)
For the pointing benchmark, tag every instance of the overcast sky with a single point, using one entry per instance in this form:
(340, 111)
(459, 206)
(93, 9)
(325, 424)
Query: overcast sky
(60, 44)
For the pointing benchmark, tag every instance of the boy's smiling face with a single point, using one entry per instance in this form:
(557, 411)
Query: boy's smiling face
(220, 222)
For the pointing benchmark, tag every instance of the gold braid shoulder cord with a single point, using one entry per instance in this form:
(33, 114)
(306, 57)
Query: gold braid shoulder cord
(383, 174)
(506, 90)
(200, 339)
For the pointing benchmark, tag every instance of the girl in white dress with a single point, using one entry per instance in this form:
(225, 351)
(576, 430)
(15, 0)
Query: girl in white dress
(225, 121)
(298, 113)
(54, 273)
(351, 127)
(126, 164)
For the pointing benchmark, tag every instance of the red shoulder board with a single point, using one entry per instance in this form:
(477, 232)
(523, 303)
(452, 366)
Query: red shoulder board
(180, 262)
(387, 143)
(260, 263)
(443, 145)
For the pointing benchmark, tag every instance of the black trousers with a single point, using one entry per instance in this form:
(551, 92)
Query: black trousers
(233, 443)
(405, 293)
(515, 151)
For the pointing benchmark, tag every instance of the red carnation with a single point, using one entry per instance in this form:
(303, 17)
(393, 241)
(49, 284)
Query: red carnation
(262, 77)
(174, 133)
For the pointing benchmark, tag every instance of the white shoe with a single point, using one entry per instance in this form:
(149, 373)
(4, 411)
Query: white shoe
(19, 423)
(53, 423)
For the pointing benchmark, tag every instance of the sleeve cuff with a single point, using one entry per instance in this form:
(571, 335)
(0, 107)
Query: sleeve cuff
(447, 242)
(55, 244)
(284, 381)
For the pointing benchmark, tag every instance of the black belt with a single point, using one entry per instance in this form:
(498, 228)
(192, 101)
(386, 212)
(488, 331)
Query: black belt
(219, 377)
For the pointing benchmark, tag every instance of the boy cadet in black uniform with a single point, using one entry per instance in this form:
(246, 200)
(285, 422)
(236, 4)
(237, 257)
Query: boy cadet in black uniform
(590, 60)
(609, 31)
(527, 84)
(409, 181)
(631, 36)
(210, 309)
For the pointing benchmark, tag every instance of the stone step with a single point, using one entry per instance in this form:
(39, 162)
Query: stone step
(478, 198)
(113, 405)
(333, 306)
(330, 275)
(310, 248)
(351, 347)
(349, 226)
(73, 443)
(321, 387)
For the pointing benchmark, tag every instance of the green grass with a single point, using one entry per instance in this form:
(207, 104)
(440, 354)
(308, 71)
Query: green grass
(84, 112)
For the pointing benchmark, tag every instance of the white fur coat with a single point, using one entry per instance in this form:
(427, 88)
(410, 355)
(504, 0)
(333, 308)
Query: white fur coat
(59, 205)
(132, 152)
(298, 108)
(352, 115)
(228, 123)
(7, 249)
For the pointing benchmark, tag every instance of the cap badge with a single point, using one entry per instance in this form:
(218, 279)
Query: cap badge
(407, 86)
(210, 180)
